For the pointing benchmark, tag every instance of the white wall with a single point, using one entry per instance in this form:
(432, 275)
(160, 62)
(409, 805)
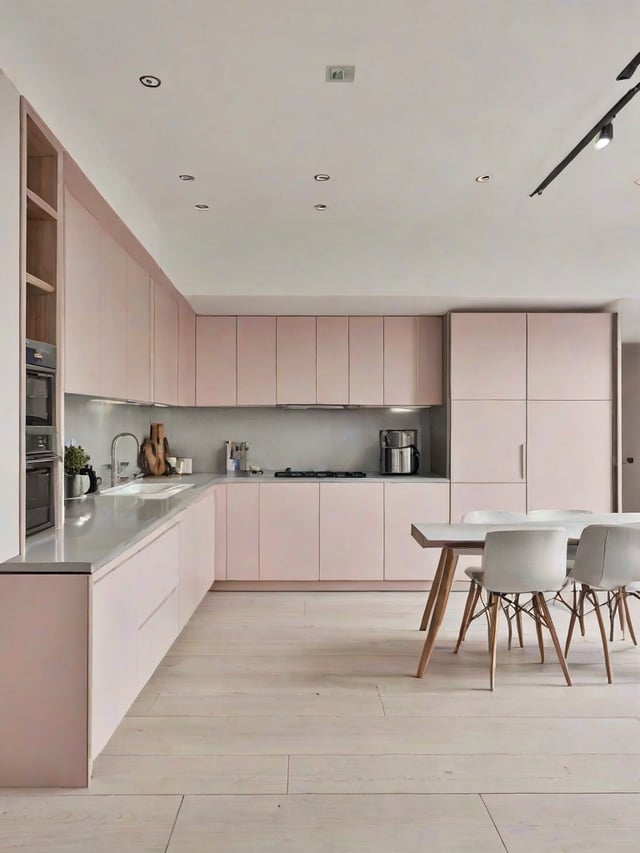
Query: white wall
(9, 319)
(631, 427)
(313, 438)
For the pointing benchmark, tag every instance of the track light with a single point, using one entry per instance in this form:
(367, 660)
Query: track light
(604, 137)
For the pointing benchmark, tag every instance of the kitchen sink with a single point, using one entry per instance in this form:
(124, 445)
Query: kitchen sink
(146, 491)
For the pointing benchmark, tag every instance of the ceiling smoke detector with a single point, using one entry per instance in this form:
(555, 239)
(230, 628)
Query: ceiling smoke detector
(340, 73)
(150, 81)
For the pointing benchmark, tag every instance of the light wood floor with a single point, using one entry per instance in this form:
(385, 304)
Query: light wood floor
(291, 722)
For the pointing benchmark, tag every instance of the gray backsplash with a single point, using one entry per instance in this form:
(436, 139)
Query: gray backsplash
(306, 439)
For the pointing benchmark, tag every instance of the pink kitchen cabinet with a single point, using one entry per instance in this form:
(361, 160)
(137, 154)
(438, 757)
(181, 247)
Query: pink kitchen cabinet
(216, 366)
(138, 330)
(83, 241)
(570, 356)
(197, 552)
(430, 372)
(467, 497)
(570, 453)
(296, 360)
(488, 441)
(351, 531)
(256, 361)
(412, 361)
(186, 354)
(488, 356)
(112, 351)
(243, 502)
(289, 531)
(333, 360)
(165, 346)
(366, 361)
(404, 505)
(220, 561)
(156, 637)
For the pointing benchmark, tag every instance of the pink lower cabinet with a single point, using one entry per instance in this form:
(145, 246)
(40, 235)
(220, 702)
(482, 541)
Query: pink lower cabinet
(404, 505)
(243, 502)
(351, 531)
(220, 551)
(289, 531)
(467, 497)
(488, 440)
(197, 545)
(570, 455)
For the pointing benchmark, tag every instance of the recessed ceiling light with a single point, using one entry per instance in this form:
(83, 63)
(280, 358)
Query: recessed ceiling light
(186, 177)
(637, 182)
(321, 176)
(150, 81)
(482, 179)
(319, 206)
(202, 207)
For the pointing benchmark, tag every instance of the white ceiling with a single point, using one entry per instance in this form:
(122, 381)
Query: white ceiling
(444, 90)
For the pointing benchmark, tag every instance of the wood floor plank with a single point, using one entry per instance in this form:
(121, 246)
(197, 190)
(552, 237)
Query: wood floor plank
(307, 703)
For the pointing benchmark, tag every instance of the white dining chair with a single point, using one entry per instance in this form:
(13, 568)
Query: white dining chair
(607, 560)
(517, 562)
(482, 516)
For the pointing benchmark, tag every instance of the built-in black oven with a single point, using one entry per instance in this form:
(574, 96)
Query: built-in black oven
(40, 391)
(40, 494)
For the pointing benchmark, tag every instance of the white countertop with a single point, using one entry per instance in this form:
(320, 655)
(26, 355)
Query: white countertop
(98, 528)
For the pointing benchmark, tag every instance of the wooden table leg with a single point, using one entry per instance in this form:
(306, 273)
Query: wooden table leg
(444, 588)
(433, 592)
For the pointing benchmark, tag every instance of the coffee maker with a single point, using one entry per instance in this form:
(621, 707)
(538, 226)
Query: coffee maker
(399, 453)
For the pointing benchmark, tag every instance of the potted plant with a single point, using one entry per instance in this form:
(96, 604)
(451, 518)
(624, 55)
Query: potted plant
(76, 482)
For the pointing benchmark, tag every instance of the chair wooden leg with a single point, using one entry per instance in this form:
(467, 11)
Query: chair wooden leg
(580, 609)
(538, 618)
(620, 596)
(494, 613)
(572, 622)
(612, 605)
(519, 622)
(509, 626)
(433, 592)
(632, 632)
(554, 637)
(478, 593)
(468, 611)
(603, 633)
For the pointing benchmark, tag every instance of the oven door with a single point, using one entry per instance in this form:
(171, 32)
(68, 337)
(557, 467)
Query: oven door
(39, 490)
(40, 397)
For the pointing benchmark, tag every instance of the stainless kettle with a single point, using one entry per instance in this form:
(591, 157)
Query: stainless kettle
(399, 453)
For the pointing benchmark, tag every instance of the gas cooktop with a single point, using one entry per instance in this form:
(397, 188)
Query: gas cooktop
(340, 474)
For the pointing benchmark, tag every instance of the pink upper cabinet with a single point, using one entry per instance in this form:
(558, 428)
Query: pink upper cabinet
(488, 441)
(165, 346)
(216, 361)
(289, 543)
(430, 356)
(488, 357)
(296, 360)
(333, 360)
(186, 354)
(351, 531)
(256, 361)
(138, 325)
(83, 239)
(366, 368)
(412, 361)
(113, 323)
(570, 356)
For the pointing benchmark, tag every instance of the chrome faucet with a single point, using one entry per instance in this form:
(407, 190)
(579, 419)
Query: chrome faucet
(116, 466)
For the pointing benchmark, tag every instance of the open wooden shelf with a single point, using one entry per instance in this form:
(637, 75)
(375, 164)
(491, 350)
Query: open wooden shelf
(39, 284)
(38, 208)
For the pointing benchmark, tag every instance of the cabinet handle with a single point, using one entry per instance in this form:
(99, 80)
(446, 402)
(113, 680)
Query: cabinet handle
(522, 463)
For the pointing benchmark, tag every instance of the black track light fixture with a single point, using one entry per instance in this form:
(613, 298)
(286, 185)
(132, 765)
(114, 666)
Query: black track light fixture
(604, 137)
(629, 70)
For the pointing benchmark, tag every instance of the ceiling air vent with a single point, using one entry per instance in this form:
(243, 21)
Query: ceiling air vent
(340, 73)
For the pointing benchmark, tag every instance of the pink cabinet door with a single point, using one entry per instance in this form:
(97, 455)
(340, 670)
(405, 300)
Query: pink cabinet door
(113, 319)
(243, 501)
(400, 361)
(220, 563)
(83, 241)
(197, 528)
(333, 360)
(296, 360)
(165, 346)
(256, 361)
(186, 355)
(570, 455)
(430, 361)
(404, 505)
(467, 497)
(156, 637)
(488, 441)
(366, 367)
(157, 571)
(138, 325)
(488, 356)
(570, 356)
(216, 361)
(289, 547)
(351, 531)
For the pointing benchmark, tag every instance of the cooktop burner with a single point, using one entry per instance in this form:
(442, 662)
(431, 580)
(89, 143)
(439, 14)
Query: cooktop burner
(339, 474)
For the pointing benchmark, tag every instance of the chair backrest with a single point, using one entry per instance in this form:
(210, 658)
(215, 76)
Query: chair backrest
(525, 560)
(556, 514)
(608, 556)
(489, 516)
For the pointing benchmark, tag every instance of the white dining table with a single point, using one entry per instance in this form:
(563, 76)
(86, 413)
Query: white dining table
(455, 540)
